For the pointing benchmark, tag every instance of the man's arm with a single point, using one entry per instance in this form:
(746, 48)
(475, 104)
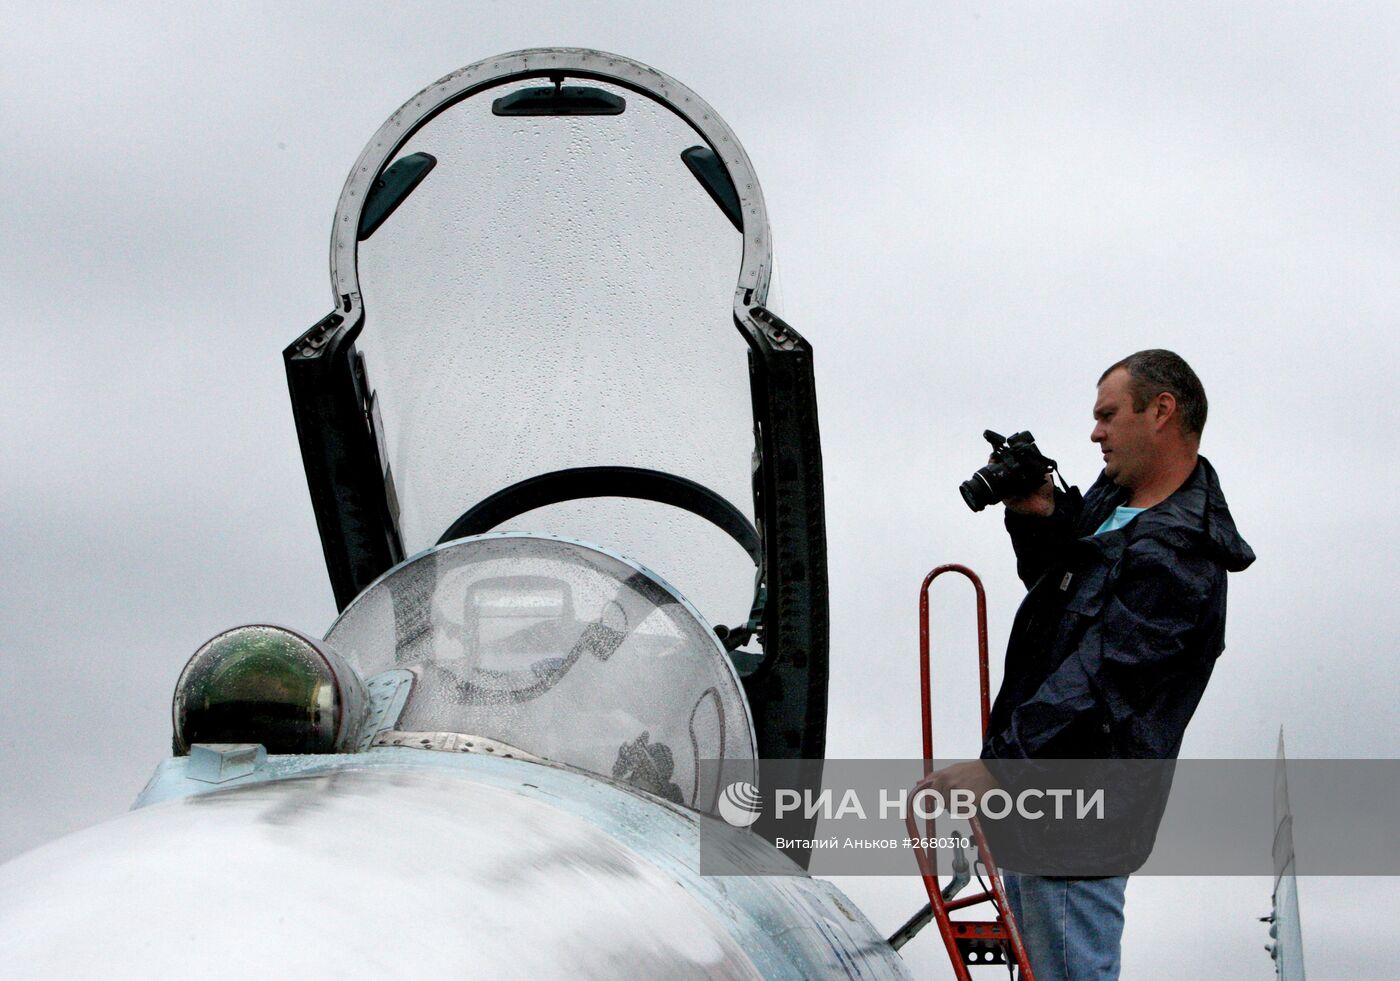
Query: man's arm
(1136, 649)
(1042, 527)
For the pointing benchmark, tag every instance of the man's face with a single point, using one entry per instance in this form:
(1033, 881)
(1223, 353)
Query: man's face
(1126, 437)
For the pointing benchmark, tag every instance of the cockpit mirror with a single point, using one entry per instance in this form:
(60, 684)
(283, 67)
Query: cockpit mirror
(392, 188)
(560, 100)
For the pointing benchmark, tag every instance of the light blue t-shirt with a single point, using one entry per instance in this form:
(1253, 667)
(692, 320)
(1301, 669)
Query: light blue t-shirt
(1120, 517)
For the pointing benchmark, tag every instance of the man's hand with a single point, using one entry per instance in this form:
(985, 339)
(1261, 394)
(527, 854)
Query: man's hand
(1040, 501)
(973, 776)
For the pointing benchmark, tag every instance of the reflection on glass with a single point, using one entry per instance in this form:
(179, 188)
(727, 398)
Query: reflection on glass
(559, 650)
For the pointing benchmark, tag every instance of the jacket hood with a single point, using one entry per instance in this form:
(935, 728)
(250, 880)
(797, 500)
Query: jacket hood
(1197, 518)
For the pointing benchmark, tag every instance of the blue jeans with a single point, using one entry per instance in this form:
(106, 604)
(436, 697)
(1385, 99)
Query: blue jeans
(1072, 928)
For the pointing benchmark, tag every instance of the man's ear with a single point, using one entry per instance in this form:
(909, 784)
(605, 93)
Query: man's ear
(1163, 410)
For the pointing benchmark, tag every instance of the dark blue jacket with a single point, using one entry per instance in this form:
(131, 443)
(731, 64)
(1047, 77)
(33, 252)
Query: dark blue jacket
(1114, 643)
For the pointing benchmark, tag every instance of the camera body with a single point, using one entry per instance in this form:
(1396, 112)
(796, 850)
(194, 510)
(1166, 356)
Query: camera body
(1017, 468)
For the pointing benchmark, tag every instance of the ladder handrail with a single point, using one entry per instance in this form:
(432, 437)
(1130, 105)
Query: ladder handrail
(924, 667)
(1003, 927)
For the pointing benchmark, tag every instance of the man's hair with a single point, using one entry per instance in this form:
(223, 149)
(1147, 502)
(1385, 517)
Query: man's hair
(1155, 371)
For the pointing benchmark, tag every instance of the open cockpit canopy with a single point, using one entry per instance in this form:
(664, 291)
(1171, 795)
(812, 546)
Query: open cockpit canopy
(550, 272)
(555, 295)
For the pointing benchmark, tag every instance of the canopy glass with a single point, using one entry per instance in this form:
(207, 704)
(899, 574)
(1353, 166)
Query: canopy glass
(559, 650)
(555, 292)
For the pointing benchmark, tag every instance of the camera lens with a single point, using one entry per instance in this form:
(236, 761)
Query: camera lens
(977, 492)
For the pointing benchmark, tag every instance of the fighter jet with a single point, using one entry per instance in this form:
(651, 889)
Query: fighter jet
(565, 465)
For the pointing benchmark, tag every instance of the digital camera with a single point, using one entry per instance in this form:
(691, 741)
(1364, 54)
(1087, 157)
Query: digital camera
(1017, 468)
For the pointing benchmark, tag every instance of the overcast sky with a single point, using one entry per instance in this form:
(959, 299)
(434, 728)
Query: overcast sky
(976, 208)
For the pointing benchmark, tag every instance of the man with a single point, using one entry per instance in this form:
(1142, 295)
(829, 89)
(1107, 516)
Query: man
(1113, 645)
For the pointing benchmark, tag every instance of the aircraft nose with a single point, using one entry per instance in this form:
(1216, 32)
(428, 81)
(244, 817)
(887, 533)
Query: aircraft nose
(455, 873)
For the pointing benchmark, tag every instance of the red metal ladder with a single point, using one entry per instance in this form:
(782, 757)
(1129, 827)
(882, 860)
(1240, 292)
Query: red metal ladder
(970, 943)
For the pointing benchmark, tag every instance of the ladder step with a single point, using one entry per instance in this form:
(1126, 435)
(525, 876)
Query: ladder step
(978, 930)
